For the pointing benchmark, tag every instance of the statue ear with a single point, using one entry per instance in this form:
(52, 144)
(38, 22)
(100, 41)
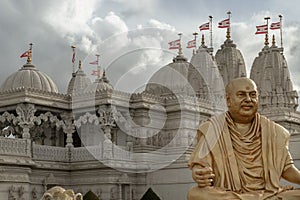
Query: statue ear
(228, 99)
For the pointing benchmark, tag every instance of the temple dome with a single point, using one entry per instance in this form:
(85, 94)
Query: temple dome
(203, 74)
(272, 76)
(29, 77)
(100, 84)
(230, 61)
(172, 78)
(78, 82)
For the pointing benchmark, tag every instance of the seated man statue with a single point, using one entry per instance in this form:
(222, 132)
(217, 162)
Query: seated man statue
(241, 154)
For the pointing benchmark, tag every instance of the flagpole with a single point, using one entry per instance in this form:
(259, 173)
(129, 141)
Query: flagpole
(29, 57)
(98, 66)
(267, 34)
(195, 35)
(180, 49)
(228, 29)
(73, 59)
(280, 17)
(210, 30)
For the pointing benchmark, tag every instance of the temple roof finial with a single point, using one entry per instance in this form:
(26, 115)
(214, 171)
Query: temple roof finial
(29, 55)
(266, 40)
(273, 40)
(79, 66)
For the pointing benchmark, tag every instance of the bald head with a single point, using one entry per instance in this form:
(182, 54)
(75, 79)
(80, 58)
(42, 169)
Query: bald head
(233, 84)
(242, 99)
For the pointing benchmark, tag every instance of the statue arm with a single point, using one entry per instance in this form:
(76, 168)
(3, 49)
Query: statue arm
(202, 172)
(194, 158)
(292, 174)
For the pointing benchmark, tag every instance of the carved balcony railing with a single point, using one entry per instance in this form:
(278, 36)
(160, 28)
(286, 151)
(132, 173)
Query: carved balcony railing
(15, 147)
(49, 153)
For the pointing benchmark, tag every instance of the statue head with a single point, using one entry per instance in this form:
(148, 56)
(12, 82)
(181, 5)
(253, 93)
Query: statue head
(242, 99)
(59, 193)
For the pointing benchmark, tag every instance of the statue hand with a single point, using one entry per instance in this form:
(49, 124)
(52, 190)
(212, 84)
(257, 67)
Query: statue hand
(203, 176)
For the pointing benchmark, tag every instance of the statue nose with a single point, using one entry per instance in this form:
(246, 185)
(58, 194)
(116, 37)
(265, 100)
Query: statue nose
(247, 97)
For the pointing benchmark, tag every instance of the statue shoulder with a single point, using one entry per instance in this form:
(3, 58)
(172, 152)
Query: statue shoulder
(204, 127)
(280, 130)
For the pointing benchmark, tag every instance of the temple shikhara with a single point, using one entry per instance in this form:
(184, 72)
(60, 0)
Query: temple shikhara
(117, 145)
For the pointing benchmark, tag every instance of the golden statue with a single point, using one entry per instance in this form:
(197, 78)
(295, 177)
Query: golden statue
(241, 154)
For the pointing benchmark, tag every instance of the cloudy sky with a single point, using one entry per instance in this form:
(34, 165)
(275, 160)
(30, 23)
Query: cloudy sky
(132, 35)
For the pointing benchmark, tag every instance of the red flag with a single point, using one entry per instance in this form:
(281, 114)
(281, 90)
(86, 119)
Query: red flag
(262, 29)
(95, 73)
(276, 25)
(174, 44)
(204, 26)
(224, 24)
(94, 62)
(191, 44)
(25, 54)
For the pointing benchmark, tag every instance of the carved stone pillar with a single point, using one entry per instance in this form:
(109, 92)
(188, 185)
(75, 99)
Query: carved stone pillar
(25, 118)
(69, 129)
(107, 132)
(106, 121)
(25, 134)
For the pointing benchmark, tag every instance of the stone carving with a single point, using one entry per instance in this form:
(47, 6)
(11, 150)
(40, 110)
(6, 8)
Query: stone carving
(114, 193)
(34, 194)
(26, 118)
(68, 128)
(51, 153)
(11, 190)
(7, 117)
(87, 117)
(59, 193)
(17, 147)
(19, 191)
(99, 193)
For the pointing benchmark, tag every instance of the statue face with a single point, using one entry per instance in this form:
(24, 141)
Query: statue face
(242, 100)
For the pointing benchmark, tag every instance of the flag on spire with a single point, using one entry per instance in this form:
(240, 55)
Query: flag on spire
(25, 54)
(95, 73)
(174, 44)
(204, 26)
(94, 62)
(275, 25)
(262, 29)
(224, 23)
(191, 44)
